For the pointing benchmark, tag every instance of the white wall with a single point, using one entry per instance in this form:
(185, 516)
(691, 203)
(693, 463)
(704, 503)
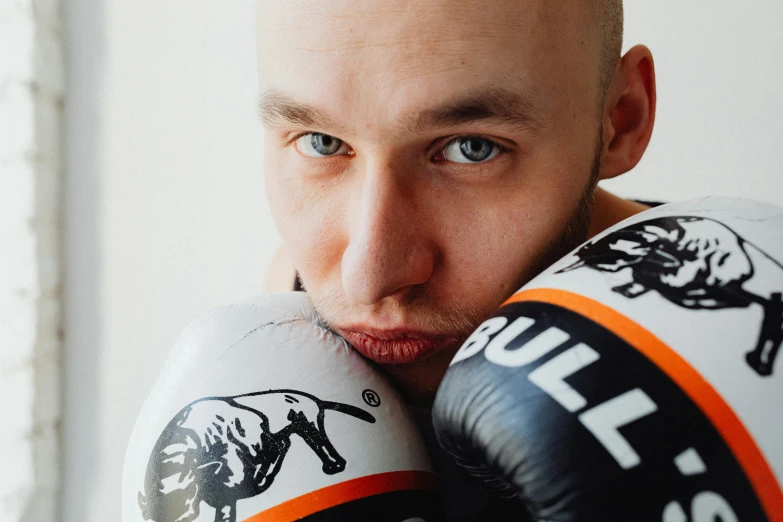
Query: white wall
(165, 205)
(720, 110)
(166, 213)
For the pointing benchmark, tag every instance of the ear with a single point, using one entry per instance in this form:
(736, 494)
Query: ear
(629, 113)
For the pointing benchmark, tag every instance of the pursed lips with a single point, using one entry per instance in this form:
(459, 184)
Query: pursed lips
(395, 346)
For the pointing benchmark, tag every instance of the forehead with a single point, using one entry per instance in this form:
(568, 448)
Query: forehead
(398, 56)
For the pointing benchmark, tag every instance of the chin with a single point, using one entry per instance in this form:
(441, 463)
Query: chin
(418, 381)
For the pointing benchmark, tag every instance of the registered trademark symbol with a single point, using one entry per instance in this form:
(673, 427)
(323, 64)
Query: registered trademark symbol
(371, 398)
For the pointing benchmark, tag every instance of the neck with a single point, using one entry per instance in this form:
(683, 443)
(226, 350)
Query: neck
(608, 210)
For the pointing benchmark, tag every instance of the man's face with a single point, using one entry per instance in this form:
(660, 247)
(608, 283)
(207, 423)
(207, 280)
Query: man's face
(425, 159)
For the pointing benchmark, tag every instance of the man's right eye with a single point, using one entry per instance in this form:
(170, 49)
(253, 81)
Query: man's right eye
(317, 145)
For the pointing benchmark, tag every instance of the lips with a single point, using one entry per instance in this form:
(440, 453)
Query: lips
(395, 347)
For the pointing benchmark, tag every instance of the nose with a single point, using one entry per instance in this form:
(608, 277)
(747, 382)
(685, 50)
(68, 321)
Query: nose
(389, 250)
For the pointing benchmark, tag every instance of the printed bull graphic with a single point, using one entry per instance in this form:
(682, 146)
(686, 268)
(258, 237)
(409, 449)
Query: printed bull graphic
(223, 449)
(696, 263)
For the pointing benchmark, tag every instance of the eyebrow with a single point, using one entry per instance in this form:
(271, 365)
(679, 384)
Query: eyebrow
(491, 105)
(275, 106)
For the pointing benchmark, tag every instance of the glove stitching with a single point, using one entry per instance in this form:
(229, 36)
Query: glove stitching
(248, 334)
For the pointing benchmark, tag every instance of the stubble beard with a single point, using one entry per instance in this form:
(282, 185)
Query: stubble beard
(576, 228)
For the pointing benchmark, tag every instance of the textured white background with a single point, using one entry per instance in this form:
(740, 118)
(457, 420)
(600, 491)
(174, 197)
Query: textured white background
(165, 209)
(31, 83)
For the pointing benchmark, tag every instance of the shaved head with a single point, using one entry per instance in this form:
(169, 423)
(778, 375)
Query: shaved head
(607, 17)
(611, 19)
(424, 159)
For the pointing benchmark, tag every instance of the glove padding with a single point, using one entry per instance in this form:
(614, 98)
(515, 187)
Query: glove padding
(636, 379)
(260, 413)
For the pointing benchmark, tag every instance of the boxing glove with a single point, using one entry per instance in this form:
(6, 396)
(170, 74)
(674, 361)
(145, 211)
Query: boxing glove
(637, 379)
(261, 414)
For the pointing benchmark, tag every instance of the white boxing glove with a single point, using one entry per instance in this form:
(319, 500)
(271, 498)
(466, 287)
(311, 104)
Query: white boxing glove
(261, 414)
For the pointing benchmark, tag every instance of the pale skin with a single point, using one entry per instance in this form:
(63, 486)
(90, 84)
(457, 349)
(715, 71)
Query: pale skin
(398, 235)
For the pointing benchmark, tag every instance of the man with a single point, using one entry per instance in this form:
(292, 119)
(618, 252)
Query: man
(425, 159)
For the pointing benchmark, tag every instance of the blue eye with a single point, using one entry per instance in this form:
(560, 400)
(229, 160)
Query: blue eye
(317, 145)
(471, 149)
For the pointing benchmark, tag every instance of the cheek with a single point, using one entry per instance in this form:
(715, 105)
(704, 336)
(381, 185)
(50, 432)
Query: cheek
(486, 256)
(305, 214)
(499, 235)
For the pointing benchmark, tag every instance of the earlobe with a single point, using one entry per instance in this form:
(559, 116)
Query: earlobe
(629, 113)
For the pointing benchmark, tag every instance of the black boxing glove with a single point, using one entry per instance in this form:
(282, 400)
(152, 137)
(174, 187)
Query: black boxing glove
(635, 380)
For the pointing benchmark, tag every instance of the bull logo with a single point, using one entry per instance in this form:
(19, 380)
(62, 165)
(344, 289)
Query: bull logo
(220, 450)
(699, 264)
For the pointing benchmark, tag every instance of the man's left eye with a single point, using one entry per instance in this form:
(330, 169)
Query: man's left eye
(471, 149)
